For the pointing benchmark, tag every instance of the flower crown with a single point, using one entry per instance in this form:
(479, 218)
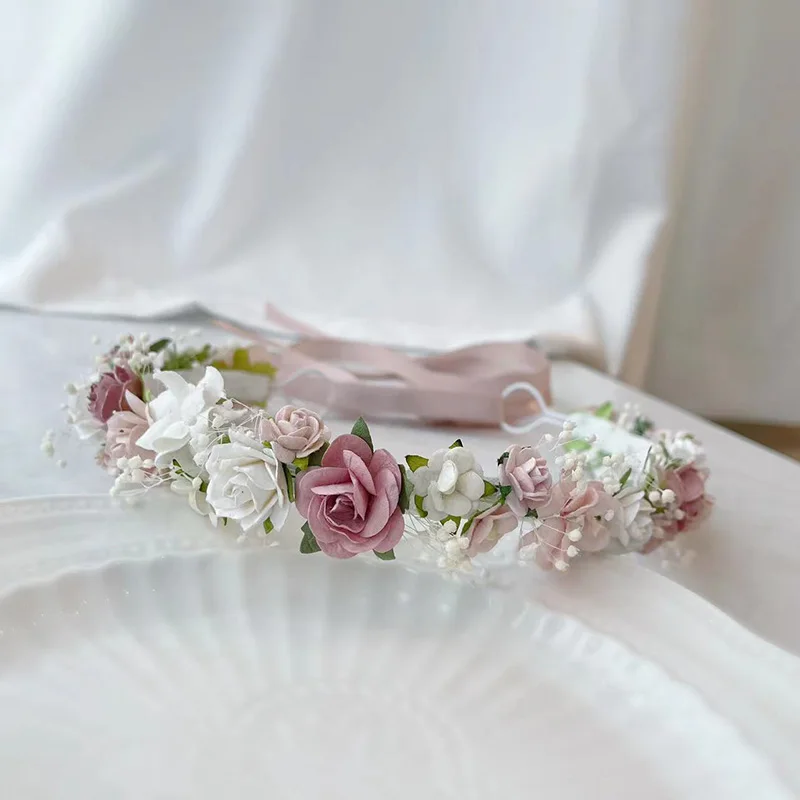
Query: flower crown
(566, 496)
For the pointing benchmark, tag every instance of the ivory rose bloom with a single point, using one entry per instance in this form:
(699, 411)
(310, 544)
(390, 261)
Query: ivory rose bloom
(351, 500)
(526, 472)
(109, 393)
(573, 517)
(246, 482)
(489, 528)
(294, 433)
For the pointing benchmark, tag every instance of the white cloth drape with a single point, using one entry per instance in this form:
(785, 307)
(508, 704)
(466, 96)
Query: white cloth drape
(422, 173)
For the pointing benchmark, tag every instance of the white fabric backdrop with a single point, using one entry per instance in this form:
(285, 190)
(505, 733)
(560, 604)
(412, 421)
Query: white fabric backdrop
(425, 173)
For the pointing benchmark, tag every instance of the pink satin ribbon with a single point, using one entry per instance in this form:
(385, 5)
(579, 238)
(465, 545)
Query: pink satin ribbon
(461, 386)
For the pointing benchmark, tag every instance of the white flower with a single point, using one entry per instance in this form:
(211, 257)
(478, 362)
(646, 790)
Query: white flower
(246, 482)
(176, 410)
(681, 447)
(85, 424)
(636, 523)
(191, 488)
(450, 485)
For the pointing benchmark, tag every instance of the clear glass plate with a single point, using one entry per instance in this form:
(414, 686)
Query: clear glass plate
(259, 673)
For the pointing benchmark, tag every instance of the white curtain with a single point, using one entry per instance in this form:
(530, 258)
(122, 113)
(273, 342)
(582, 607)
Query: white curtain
(426, 172)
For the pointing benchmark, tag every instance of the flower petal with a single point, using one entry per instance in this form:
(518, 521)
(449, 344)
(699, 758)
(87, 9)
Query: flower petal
(334, 456)
(359, 470)
(312, 478)
(470, 484)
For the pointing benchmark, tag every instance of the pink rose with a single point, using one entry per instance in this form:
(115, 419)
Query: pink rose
(109, 393)
(294, 433)
(569, 510)
(689, 485)
(123, 432)
(489, 528)
(525, 471)
(351, 501)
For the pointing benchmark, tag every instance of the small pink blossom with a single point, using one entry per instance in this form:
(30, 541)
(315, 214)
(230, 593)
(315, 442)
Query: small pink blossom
(526, 472)
(109, 393)
(489, 528)
(689, 486)
(294, 433)
(351, 501)
(123, 432)
(568, 510)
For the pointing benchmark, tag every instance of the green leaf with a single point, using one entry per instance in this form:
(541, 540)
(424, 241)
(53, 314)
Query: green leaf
(263, 368)
(301, 463)
(241, 359)
(502, 458)
(159, 345)
(415, 462)
(268, 526)
(642, 426)
(418, 503)
(605, 411)
(533, 513)
(456, 443)
(451, 518)
(403, 499)
(361, 429)
(387, 556)
(577, 446)
(289, 483)
(505, 491)
(315, 459)
(488, 489)
(624, 479)
(308, 543)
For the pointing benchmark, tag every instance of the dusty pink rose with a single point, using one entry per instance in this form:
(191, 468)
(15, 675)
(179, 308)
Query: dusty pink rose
(489, 528)
(564, 513)
(689, 485)
(109, 393)
(123, 432)
(294, 433)
(351, 501)
(525, 471)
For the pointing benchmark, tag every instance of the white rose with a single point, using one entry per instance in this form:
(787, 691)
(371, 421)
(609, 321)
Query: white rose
(450, 485)
(246, 482)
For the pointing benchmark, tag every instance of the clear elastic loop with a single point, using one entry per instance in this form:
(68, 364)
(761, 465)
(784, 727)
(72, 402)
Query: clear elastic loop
(545, 412)
(324, 405)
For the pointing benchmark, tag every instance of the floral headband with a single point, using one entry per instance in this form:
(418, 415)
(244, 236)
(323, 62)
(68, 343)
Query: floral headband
(567, 496)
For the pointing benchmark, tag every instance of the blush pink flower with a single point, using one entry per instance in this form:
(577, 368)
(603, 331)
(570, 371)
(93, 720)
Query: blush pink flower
(489, 528)
(689, 485)
(109, 393)
(351, 500)
(572, 512)
(526, 472)
(123, 431)
(294, 433)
